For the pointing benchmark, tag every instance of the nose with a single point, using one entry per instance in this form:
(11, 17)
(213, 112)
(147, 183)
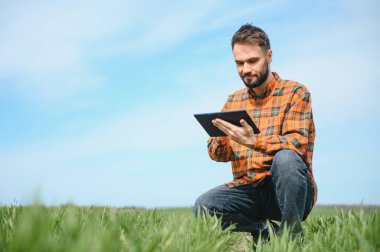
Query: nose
(246, 69)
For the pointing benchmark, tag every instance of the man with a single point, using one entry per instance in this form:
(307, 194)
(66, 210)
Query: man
(272, 170)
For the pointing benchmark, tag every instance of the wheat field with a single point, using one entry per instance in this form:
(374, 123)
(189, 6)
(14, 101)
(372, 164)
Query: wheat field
(72, 228)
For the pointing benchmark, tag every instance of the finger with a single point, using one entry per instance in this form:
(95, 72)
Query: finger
(225, 124)
(223, 128)
(217, 121)
(226, 130)
(246, 125)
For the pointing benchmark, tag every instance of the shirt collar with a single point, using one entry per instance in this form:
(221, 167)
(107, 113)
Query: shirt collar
(268, 91)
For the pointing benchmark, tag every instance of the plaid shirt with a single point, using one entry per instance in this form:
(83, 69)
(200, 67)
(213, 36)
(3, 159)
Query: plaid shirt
(284, 116)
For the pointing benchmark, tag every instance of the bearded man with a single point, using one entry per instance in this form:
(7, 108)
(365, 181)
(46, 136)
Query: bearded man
(272, 170)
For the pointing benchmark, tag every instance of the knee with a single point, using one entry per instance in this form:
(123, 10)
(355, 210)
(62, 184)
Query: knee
(283, 157)
(207, 204)
(287, 162)
(198, 206)
(203, 205)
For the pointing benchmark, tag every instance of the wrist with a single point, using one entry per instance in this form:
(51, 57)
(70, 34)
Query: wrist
(252, 143)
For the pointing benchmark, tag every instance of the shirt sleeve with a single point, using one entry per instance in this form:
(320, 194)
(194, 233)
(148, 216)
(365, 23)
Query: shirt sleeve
(219, 148)
(295, 129)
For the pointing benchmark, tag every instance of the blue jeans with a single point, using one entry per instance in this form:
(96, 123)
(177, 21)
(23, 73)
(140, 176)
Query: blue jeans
(285, 196)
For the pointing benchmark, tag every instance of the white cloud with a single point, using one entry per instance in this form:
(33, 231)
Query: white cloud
(47, 48)
(145, 129)
(48, 57)
(43, 46)
(40, 37)
(186, 19)
(339, 65)
(325, 74)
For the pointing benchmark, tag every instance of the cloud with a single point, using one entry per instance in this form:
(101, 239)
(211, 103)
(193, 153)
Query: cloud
(339, 65)
(139, 128)
(144, 129)
(49, 52)
(163, 30)
(40, 37)
(47, 48)
(43, 46)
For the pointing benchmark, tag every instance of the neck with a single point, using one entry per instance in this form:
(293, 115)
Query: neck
(262, 88)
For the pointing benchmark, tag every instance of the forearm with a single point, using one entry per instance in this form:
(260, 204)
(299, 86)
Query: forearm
(271, 144)
(219, 149)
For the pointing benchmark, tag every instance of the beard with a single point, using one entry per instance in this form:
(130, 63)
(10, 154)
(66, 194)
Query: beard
(261, 78)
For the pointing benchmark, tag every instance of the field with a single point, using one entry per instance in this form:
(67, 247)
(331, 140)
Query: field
(72, 228)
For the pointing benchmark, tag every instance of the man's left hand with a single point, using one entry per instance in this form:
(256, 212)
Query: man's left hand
(242, 135)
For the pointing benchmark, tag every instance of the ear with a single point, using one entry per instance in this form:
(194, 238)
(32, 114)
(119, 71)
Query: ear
(269, 56)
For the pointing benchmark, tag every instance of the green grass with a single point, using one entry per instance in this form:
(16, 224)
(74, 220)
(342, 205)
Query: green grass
(71, 228)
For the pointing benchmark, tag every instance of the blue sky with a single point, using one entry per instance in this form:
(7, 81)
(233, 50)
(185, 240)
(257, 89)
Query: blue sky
(97, 97)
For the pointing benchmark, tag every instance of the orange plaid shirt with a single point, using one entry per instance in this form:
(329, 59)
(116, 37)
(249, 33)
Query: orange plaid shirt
(284, 116)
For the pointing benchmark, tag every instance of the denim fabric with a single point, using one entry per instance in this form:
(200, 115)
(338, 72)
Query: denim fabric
(286, 196)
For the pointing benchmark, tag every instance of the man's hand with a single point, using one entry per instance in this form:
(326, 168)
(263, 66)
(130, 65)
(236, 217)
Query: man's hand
(242, 135)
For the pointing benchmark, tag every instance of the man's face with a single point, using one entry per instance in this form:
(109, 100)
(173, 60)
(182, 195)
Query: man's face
(252, 63)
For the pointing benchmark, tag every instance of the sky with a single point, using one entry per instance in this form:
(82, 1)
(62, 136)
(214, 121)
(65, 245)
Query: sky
(97, 97)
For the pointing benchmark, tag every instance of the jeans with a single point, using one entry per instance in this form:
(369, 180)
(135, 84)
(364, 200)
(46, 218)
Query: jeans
(285, 196)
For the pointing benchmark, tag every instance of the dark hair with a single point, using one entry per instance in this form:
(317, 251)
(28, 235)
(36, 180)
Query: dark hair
(249, 33)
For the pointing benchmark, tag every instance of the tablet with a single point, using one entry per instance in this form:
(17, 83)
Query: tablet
(233, 117)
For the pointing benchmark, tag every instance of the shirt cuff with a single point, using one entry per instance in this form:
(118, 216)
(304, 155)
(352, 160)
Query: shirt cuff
(222, 140)
(260, 144)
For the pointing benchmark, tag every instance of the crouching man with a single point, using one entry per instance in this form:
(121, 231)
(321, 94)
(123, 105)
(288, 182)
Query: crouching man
(272, 170)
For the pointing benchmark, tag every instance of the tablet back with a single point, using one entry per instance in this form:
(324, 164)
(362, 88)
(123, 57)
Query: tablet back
(233, 117)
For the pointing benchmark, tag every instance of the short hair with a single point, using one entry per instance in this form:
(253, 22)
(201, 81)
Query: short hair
(249, 33)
